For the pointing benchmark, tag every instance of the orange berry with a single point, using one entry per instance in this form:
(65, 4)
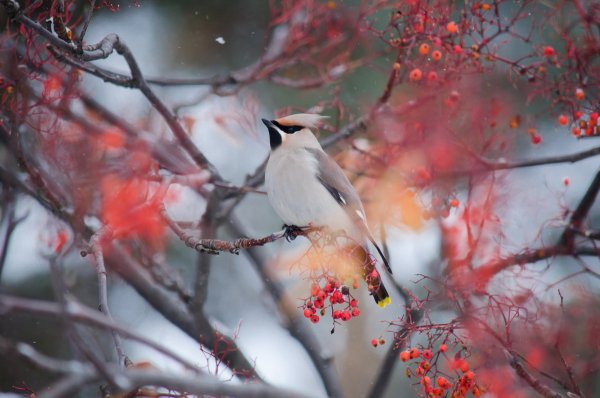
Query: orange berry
(451, 27)
(470, 375)
(436, 55)
(414, 353)
(485, 7)
(464, 366)
(579, 94)
(419, 371)
(515, 121)
(397, 65)
(424, 49)
(454, 203)
(563, 120)
(426, 380)
(415, 74)
(404, 356)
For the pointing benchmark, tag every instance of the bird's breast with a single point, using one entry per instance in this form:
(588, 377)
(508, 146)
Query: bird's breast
(296, 194)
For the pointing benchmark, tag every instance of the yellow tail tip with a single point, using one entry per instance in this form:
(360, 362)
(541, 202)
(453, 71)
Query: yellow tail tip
(386, 301)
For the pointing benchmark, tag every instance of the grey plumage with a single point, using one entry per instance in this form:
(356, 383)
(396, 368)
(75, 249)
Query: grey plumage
(306, 187)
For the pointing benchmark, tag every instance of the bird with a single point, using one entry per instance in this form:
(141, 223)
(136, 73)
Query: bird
(306, 187)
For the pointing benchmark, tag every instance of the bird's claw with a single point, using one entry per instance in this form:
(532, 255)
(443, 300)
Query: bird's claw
(292, 232)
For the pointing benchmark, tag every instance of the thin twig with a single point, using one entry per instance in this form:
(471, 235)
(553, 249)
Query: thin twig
(215, 246)
(96, 246)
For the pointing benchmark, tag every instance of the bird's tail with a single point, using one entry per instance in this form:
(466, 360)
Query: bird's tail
(381, 295)
(372, 277)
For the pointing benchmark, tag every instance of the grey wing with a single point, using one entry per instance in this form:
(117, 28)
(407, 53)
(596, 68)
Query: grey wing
(335, 181)
(333, 178)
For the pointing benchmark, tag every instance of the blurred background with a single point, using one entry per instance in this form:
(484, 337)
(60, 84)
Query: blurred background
(192, 39)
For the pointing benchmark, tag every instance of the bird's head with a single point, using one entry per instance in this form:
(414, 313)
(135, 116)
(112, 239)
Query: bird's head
(293, 130)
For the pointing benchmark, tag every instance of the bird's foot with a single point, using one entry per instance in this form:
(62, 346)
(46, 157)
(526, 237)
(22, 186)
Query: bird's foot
(292, 232)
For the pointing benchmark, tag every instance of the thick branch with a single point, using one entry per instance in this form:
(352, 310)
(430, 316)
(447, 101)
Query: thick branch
(581, 211)
(534, 383)
(82, 314)
(172, 309)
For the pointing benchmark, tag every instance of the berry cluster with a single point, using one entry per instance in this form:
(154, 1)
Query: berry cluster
(333, 295)
(435, 384)
(584, 128)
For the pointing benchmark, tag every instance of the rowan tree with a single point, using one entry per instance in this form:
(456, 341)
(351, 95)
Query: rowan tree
(131, 169)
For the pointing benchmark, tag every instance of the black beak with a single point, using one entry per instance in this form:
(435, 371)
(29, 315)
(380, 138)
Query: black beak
(274, 135)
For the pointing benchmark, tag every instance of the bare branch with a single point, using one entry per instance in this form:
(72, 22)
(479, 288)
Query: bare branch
(96, 245)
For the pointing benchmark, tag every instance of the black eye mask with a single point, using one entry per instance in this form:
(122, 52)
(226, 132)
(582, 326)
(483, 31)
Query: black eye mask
(287, 129)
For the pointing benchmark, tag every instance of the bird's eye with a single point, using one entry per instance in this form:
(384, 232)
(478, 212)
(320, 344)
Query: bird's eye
(293, 129)
(287, 129)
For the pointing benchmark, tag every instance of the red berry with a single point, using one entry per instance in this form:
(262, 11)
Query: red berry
(353, 303)
(536, 139)
(314, 289)
(314, 318)
(443, 382)
(563, 120)
(443, 348)
(436, 55)
(308, 313)
(355, 312)
(432, 76)
(415, 74)
(424, 49)
(427, 354)
(549, 51)
(374, 342)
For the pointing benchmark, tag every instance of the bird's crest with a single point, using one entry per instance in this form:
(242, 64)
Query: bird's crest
(310, 120)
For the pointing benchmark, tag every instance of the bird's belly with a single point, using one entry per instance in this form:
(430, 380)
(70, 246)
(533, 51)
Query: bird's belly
(299, 198)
